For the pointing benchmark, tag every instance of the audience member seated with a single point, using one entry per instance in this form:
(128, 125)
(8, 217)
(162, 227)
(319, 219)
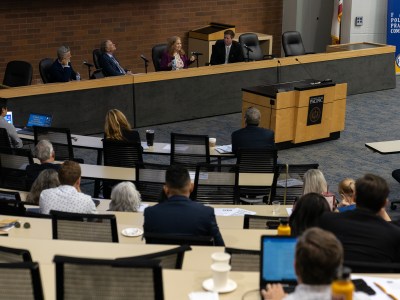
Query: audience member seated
(364, 234)
(15, 141)
(226, 51)
(125, 197)
(318, 256)
(61, 69)
(118, 128)
(174, 58)
(306, 212)
(45, 153)
(67, 197)
(252, 136)
(178, 214)
(314, 182)
(47, 179)
(109, 64)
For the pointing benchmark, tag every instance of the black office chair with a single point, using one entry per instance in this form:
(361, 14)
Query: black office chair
(156, 53)
(4, 139)
(292, 44)
(260, 222)
(60, 139)
(44, 69)
(289, 185)
(18, 73)
(396, 176)
(252, 42)
(21, 281)
(150, 179)
(258, 160)
(189, 150)
(98, 73)
(169, 259)
(12, 168)
(102, 279)
(216, 184)
(84, 227)
(176, 239)
(12, 255)
(244, 260)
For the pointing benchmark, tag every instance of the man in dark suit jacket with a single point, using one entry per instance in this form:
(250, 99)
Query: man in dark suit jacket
(61, 70)
(364, 234)
(227, 45)
(178, 214)
(252, 136)
(109, 64)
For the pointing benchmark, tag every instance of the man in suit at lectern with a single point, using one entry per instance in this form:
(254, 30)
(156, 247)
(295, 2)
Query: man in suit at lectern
(226, 51)
(252, 136)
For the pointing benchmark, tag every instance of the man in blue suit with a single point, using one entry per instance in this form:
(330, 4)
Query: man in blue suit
(178, 214)
(108, 62)
(252, 136)
(61, 70)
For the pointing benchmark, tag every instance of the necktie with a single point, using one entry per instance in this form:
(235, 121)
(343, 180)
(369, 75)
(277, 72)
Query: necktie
(117, 64)
(227, 48)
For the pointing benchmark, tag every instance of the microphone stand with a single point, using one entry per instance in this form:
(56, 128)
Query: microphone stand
(197, 59)
(248, 54)
(89, 70)
(146, 64)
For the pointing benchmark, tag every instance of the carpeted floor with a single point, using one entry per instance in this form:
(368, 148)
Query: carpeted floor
(370, 117)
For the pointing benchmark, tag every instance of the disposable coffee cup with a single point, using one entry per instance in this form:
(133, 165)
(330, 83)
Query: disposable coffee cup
(220, 275)
(275, 207)
(221, 257)
(212, 142)
(150, 137)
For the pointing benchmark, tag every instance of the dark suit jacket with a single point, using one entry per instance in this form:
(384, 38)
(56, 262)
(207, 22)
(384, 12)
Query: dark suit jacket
(60, 74)
(180, 215)
(109, 67)
(252, 136)
(364, 235)
(218, 53)
(166, 59)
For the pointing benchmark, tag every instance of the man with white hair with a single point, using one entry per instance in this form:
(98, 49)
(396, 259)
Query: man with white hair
(45, 153)
(61, 70)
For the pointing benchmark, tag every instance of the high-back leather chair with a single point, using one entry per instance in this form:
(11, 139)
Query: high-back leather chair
(251, 41)
(156, 53)
(96, 58)
(44, 69)
(292, 43)
(18, 73)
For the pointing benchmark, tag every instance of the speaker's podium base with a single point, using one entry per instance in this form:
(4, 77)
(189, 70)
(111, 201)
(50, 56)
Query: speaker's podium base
(300, 112)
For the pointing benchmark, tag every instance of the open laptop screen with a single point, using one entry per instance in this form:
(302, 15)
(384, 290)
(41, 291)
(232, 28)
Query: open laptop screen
(39, 120)
(9, 117)
(277, 260)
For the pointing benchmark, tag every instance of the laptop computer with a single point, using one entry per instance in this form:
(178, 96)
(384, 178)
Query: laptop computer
(42, 120)
(277, 261)
(9, 117)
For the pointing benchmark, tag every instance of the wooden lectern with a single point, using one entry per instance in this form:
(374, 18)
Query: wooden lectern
(299, 112)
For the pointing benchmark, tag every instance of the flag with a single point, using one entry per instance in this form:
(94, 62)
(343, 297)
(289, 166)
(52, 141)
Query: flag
(337, 17)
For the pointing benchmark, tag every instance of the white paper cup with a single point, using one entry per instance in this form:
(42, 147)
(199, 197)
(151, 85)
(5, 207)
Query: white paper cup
(220, 257)
(212, 142)
(220, 275)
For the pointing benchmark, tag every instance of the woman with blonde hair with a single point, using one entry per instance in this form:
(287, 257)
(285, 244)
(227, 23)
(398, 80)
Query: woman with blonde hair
(125, 197)
(118, 128)
(346, 189)
(174, 58)
(47, 179)
(314, 182)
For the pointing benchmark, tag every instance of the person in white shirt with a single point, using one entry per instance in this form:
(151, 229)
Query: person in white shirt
(67, 197)
(15, 141)
(318, 256)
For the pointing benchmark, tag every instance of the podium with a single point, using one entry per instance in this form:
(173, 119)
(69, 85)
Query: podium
(299, 112)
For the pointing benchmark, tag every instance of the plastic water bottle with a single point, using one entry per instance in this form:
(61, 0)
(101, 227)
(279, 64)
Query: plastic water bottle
(173, 64)
(78, 77)
(342, 287)
(284, 228)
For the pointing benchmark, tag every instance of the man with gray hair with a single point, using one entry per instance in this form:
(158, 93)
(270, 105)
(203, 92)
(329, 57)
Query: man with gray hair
(45, 153)
(252, 136)
(61, 70)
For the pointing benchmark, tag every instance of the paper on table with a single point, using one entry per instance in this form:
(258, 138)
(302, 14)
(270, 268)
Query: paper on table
(289, 182)
(391, 285)
(229, 212)
(177, 147)
(289, 210)
(142, 207)
(224, 149)
(203, 296)
(144, 145)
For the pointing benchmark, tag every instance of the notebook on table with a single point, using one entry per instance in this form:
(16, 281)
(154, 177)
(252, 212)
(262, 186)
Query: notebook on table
(277, 261)
(41, 120)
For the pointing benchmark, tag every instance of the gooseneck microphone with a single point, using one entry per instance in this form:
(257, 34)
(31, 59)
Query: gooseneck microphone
(308, 73)
(247, 47)
(87, 64)
(144, 58)
(196, 53)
